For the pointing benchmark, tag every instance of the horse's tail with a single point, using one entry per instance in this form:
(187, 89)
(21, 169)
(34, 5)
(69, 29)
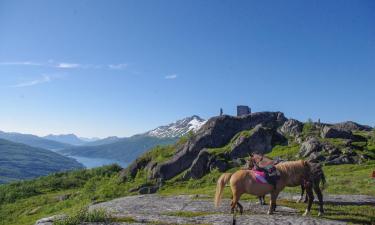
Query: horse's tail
(221, 182)
(318, 175)
(324, 182)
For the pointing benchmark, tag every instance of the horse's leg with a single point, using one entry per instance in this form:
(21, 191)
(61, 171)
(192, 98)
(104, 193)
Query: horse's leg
(310, 200)
(302, 193)
(318, 192)
(240, 206)
(306, 198)
(263, 200)
(235, 199)
(272, 207)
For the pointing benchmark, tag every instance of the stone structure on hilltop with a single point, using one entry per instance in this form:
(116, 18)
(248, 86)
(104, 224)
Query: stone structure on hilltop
(243, 110)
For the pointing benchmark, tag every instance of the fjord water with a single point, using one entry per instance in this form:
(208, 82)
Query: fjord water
(96, 162)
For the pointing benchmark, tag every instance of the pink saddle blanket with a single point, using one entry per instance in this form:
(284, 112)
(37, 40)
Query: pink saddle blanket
(260, 177)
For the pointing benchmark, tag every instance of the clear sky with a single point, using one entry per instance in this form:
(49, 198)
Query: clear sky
(101, 68)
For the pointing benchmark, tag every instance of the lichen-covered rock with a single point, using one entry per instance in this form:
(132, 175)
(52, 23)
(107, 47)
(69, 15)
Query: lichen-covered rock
(292, 127)
(310, 146)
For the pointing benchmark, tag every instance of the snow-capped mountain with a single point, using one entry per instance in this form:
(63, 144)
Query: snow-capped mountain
(178, 128)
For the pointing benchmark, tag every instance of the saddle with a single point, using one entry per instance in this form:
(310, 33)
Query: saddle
(272, 175)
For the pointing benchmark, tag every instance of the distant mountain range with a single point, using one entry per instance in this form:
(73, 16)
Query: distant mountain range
(33, 140)
(127, 149)
(24, 156)
(20, 161)
(70, 139)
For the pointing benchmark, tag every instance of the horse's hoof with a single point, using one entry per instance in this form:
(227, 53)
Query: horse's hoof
(321, 214)
(269, 212)
(307, 213)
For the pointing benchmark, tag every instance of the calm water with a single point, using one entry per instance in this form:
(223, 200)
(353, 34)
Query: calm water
(96, 162)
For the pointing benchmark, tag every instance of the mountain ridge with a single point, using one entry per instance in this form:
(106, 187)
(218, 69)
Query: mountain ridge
(128, 148)
(33, 141)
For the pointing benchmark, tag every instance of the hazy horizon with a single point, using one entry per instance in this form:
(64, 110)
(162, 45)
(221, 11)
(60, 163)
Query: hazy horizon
(118, 68)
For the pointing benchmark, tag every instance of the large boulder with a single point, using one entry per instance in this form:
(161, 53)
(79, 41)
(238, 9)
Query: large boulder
(310, 146)
(292, 127)
(200, 166)
(333, 132)
(259, 140)
(352, 126)
(216, 132)
(132, 170)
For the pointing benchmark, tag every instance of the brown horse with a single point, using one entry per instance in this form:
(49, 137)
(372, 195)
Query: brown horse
(317, 171)
(292, 174)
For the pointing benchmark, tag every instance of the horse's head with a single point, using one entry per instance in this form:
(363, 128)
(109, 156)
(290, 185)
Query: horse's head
(256, 157)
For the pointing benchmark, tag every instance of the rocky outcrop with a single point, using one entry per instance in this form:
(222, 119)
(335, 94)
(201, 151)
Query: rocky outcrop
(332, 132)
(50, 220)
(352, 126)
(215, 133)
(200, 166)
(316, 157)
(342, 159)
(259, 140)
(310, 146)
(292, 127)
(132, 169)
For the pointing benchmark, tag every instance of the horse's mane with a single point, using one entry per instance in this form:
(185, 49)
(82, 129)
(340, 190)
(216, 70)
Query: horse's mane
(292, 168)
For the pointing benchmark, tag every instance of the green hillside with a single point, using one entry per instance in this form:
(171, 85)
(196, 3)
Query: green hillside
(19, 161)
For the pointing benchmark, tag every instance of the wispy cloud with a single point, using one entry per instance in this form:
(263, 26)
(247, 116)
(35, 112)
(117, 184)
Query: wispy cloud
(171, 77)
(68, 65)
(65, 65)
(118, 66)
(21, 63)
(41, 80)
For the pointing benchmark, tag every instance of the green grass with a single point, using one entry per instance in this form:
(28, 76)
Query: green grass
(285, 152)
(349, 213)
(83, 215)
(221, 151)
(351, 179)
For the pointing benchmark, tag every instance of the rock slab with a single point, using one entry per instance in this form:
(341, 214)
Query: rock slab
(160, 209)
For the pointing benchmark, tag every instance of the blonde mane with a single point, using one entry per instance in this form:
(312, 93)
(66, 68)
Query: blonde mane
(292, 168)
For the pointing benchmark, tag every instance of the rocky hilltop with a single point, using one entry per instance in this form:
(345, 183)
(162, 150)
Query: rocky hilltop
(223, 142)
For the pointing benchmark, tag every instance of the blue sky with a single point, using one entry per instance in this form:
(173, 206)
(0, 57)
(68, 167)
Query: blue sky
(101, 68)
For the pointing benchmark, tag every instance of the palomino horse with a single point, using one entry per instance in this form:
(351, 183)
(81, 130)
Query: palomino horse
(292, 173)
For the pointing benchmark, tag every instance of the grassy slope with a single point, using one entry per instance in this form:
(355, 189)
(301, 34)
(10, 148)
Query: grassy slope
(25, 202)
(19, 161)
